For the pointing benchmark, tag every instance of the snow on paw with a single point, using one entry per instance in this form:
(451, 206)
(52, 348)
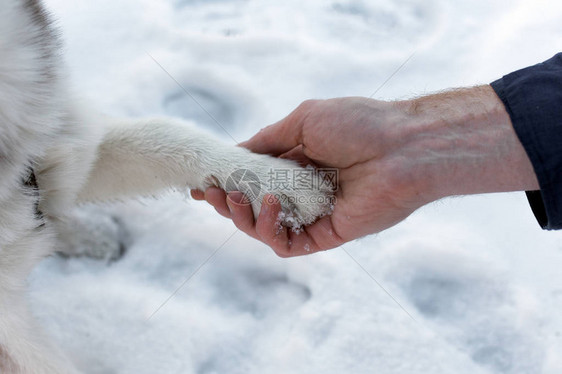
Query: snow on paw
(305, 194)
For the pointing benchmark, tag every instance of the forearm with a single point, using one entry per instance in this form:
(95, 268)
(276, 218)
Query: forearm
(462, 142)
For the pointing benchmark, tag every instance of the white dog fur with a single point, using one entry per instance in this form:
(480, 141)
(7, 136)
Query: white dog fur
(79, 156)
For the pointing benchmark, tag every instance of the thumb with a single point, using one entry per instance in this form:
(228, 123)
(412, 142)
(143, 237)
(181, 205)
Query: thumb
(282, 136)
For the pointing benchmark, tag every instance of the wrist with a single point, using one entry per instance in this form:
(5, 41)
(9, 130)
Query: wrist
(462, 142)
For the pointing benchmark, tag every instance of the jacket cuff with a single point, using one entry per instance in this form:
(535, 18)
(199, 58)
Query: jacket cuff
(533, 100)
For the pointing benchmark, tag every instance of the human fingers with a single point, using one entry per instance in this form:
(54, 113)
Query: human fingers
(217, 198)
(322, 235)
(268, 227)
(197, 194)
(283, 241)
(317, 237)
(241, 213)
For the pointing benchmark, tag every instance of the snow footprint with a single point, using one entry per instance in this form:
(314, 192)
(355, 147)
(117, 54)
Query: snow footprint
(93, 232)
(259, 292)
(468, 302)
(209, 101)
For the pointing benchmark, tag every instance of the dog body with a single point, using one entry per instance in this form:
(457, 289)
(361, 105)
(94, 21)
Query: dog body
(55, 153)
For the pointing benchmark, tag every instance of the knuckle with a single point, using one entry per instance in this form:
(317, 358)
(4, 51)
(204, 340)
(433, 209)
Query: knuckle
(241, 221)
(307, 105)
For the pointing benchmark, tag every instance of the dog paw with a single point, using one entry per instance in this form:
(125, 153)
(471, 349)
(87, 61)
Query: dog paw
(305, 194)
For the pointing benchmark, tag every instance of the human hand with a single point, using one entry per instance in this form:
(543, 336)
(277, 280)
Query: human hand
(393, 157)
(375, 189)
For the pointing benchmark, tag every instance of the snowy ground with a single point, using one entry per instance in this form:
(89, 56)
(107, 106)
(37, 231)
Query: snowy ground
(480, 279)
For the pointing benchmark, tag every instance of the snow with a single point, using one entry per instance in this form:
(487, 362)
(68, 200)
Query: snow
(478, 281)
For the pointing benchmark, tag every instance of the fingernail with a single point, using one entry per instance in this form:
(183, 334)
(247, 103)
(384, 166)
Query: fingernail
(235, 196)
(229, 201)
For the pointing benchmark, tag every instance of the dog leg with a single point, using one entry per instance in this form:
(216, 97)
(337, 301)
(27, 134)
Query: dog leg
(23, 348)
(143, 157)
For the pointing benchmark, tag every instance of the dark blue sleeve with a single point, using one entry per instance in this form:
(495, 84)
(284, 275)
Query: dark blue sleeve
(533, 99)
